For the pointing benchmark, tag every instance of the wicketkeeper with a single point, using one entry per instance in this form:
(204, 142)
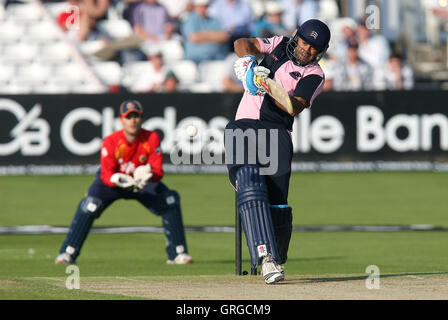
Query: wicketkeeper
(131, 168)
(262, 200)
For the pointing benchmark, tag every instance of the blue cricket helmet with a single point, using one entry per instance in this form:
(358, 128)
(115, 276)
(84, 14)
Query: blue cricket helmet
(314, 32)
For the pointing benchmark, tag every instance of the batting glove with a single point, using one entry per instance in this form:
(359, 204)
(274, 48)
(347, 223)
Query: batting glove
(241, 66)
(122, 180)
(263, 73)
(244, 70)
(142, 175)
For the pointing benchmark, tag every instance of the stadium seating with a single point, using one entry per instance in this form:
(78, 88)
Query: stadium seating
(42, 31)
(19, 53)
(109, 72)
(70, 73)
(30, 36)
(7, 73)
(212, 72)
(185, 70)
(55, 52)
(15, 87)
(88, 48)
(132, 71)
(38, 57)
(172, 50)
(52, 88)
(11, 32)
(55, 8)
(34, 72)
(115, 29)
(88, 88)
(24, 12)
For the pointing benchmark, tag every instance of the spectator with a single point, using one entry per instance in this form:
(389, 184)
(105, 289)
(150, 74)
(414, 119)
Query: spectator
(236, 17)
(177, 9)
(96, 9)
(339, 48)
(152, 79)
(171, 82)
(271, 25)
(354, 75)
(128, 7)
(308, 9)
(373, 49)
(328, 63)
(204, 37)
(230, 82)
(329, 10)
(151, 21)
(297, 12)
(436, 16)
(396, 75)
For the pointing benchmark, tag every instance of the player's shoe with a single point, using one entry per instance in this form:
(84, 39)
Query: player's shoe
(282, 270)
(271, 271)
(181, 258)
(64, 258)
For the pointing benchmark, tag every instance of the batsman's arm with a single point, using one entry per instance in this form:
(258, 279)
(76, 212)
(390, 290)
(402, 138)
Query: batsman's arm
(247, 46)
(306, 91)
(298, 104)
(251, 46)
(284, 101)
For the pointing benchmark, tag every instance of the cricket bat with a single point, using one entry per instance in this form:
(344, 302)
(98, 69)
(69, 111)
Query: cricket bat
(277, 92)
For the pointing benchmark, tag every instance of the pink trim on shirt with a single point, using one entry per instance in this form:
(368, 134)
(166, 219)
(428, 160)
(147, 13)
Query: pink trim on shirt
(249, 107)
(267, 45)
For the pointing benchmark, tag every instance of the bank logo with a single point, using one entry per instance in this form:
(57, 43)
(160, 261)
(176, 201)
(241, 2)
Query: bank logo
(31, 134)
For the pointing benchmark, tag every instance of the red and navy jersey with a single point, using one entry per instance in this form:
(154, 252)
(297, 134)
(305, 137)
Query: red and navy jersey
(117, 155)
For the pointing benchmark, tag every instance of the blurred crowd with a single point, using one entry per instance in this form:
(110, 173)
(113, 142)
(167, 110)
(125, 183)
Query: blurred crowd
(364, 60)
(358, 59)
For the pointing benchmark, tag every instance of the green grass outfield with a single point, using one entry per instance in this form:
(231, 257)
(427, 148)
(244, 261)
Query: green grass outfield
(26, 261)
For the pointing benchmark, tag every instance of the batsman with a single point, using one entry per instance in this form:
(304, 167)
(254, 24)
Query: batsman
(131, 169)
(262, 199)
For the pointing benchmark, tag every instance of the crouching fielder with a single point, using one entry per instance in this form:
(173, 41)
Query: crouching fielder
(262, 194)
(131, 168)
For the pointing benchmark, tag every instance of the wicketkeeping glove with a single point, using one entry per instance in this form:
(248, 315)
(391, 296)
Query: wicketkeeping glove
(142, 175)
(122, 180)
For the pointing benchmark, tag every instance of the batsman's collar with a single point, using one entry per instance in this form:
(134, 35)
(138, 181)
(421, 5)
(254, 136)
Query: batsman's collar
(129, 106)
